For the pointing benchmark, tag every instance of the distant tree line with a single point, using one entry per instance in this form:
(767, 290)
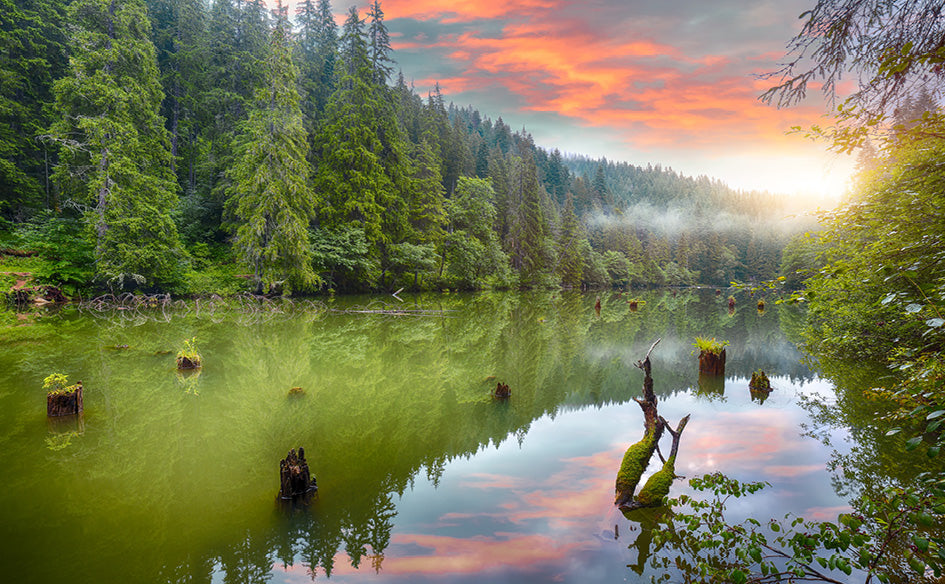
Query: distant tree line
(142, 142)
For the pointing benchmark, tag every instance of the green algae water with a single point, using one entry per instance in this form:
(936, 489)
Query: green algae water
(422, 476)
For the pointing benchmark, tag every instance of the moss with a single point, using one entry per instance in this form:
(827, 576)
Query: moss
(635, 461)
(657, 486)
(759, 382)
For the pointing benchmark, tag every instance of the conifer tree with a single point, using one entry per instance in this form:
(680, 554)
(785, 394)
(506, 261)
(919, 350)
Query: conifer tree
(351, 176)
(379, 48)
(33, 53)
(570, 265)
(270, 196)
(115, 158)
(529, 255)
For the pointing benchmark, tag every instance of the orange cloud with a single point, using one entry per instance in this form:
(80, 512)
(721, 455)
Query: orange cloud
(649, 90)
(449, 12)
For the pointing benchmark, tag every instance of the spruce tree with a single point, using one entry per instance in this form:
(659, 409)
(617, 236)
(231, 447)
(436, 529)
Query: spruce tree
(570, 265)
(115, 159)
(269, 195)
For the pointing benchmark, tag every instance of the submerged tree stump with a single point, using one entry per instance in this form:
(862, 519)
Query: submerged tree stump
(597, 306)
(188, 363)
(66, 402)
(296, 482)
(712, 362)
(502, 391)
(759, 382)
(731, 302)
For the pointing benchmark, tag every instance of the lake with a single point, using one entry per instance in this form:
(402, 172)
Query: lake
(422, 475)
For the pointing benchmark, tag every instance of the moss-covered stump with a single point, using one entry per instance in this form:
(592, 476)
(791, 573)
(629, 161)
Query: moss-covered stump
(761, 305)
(759, 382)
(296, 392)
(501, 391)
(65, 402)
(597, 306)
(296, 482)
(731, 302)
(712, 362)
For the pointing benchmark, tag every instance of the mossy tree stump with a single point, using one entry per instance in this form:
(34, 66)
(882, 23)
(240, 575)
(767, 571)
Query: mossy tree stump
(712, 362)
(65, 402)
(296, 482)
(759, 382)
(502, 391)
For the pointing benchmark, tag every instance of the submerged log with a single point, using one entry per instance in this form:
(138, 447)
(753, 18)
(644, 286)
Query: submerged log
(65, 402)
(296, 482)
(712, 362)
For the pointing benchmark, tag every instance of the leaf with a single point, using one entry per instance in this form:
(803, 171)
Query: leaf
(894, 431)
(935, 322)
(935, 414)
(913, 308)
(913, 443)
(738, 577)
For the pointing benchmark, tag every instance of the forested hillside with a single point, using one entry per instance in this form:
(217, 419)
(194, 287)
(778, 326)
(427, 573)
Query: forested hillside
(177, 144)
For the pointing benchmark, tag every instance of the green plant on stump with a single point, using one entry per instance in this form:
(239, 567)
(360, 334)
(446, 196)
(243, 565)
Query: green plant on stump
(58, 384)
(189, 357)
(712, 345)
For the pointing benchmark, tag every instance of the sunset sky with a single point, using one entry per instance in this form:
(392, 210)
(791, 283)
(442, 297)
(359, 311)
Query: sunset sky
(645, 82)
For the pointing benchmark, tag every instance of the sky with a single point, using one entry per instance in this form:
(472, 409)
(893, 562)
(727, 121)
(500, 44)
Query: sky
(672, 82)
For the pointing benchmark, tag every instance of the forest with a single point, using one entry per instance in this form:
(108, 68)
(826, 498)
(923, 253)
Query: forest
(201, 147)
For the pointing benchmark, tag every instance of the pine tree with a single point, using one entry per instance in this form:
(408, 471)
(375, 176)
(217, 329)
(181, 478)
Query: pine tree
(115, 158)
(379, 48)
(570, 265)
(528, 228)
(33, 53)
(351, 176)
(270, 196)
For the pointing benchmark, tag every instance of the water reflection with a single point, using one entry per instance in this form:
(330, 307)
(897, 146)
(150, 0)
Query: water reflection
(180, 474)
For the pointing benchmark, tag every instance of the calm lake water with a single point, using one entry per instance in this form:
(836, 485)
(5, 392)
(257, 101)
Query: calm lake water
(421, 475)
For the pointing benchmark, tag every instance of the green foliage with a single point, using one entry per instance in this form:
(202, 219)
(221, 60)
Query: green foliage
(58, 384)
(61, 243)
(270, 195)
(710, 345)
(114, 156)
(701, 542)
(190, 353)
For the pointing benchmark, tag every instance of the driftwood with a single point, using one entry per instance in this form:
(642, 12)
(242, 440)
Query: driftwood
(66, 402)
(638, 456)
(296, 482)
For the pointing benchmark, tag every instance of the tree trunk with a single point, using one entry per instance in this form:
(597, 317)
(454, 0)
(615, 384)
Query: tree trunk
(296, 482)
(711, 363)
(64, 403)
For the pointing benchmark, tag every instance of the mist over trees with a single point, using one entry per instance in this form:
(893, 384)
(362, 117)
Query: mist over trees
(187, 142)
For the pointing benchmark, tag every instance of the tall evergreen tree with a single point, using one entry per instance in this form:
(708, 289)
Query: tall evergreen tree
(379, 48)
(33, 53)
(115, 158)
(529, 254)
(270, 197)
(570, 266)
